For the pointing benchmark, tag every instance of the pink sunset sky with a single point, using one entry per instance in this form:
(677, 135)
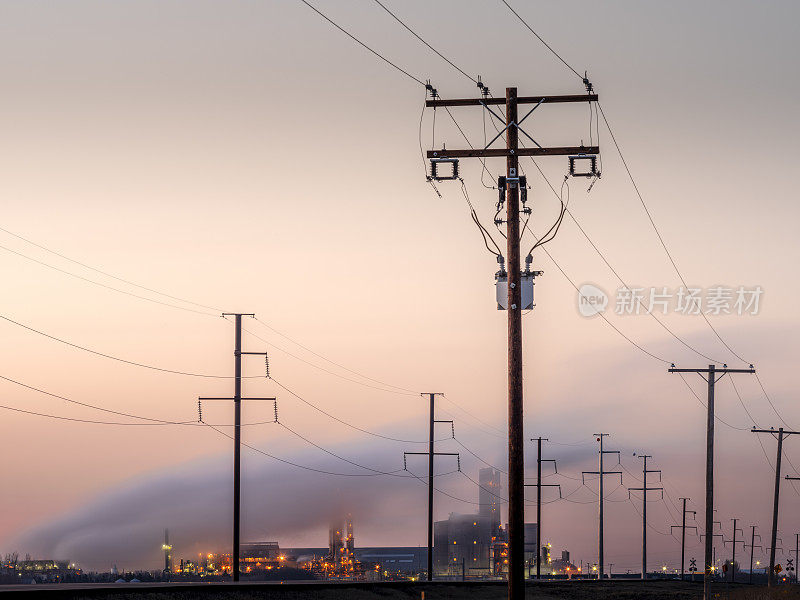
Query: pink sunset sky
(247, 156)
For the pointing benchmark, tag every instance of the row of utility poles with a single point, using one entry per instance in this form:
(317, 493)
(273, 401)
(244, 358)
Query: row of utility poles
(712, 376)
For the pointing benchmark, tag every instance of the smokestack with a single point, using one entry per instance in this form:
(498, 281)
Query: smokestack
(167, 553)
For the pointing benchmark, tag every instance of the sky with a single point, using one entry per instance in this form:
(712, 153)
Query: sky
(247, 156)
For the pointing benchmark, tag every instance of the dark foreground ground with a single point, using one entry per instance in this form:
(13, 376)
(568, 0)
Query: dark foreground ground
(550, 590)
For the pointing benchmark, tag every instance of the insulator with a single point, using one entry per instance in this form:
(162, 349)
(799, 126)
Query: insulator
(405, 463)
(435, 169)
(199, 412)
(458, 461)
(591, 172)
(453, 430)
(266, 364)
(276, 411)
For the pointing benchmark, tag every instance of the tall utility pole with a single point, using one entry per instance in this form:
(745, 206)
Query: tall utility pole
(539, 485)
(781, 432)
(512, 152)
(711, 374)
(644, 491)
(683, 528)
(733, 544)
(430, 453)
(237, 431)
(753, 546)
(601, 473)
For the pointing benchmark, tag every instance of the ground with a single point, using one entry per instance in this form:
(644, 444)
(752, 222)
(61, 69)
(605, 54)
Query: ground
(563, 590)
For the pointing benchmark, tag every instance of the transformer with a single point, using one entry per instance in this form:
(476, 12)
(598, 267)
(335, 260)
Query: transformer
(526, 291)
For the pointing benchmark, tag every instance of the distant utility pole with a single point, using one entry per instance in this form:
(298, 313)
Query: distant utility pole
(601, 473)
(733, 544)
(711, 374)
(539, 485)
(512, 152)
(781, 432)
(430, 453)
(772, 550)
(683, 528)
(644, 491)
(753, 546)
(796, 542)
(237, 431)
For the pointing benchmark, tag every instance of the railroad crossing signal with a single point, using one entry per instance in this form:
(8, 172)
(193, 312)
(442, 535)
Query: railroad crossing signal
(692, 565)
(790, 564)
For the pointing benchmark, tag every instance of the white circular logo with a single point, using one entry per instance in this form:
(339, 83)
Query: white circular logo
(591, 300)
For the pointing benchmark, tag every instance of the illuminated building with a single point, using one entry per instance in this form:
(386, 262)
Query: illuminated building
(489, 494)
(467, 542)
(340, 563)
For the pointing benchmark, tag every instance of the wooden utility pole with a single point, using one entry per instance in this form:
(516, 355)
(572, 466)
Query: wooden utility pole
(600, 498)
(733, 544)
(430, 454)
(512, 152)
(683, 527)
(644, 491)
(781, 432)
(538, 486)
(237, 431)
(711, 374)
(753, 546)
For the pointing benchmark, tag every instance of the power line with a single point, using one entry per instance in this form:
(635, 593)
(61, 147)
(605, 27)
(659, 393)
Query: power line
(76, 420)
(105, 273)
(323, 369)
(116, 358)
(362, 44)
(565, 209)
(92, 406)
(548, 46)
(150, 420)
(318, 355)
(488, 464)
(704, 405)
(293, 464)
(775, 410)
(630, 175)
(342, 421)
(601, 315)
(342, 458)
(658, 233)
(414, 33)
(102, 285)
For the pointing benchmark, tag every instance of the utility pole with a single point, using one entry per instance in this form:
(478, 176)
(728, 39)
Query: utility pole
(711, 374)
(601, 473)
(430, 453)
(644, 491)
(781, 433)
(683, 528)
(714, 548)
(753, 546)
(512, 152)
(237, 430)
(733, 544)
(539, 485)
(770, 571)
